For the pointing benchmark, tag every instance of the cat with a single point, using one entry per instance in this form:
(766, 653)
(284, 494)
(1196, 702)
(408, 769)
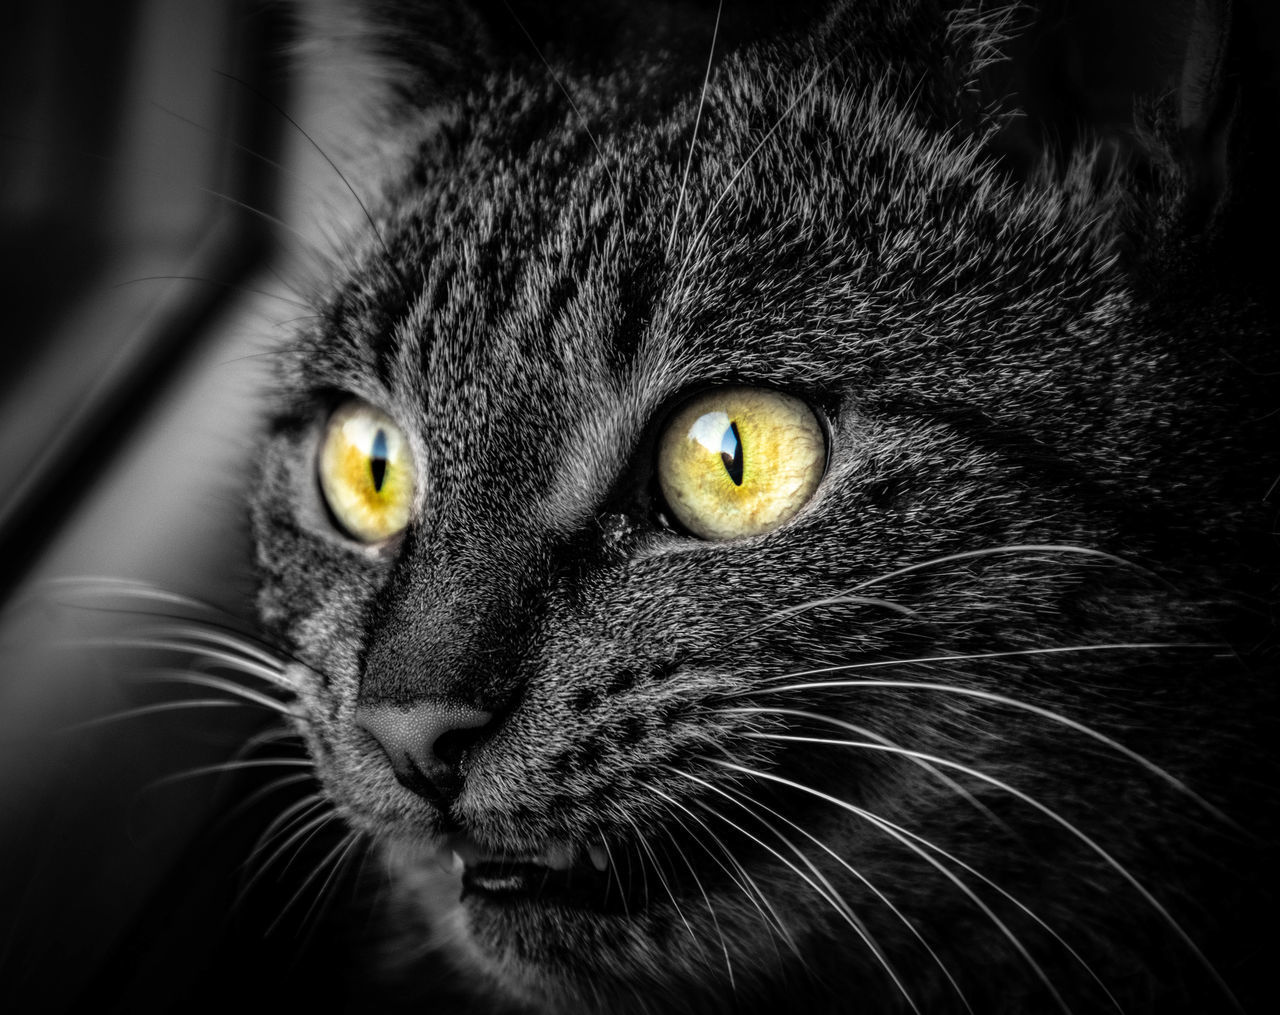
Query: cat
(758, 525)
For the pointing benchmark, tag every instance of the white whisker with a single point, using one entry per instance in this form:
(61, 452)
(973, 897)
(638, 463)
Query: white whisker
(942, 777)
(825, 891)
(214, 636)
(1010, 897)
(1031, 801)
(274, 786)
(235, 662)
(949, 875)
(227, 767)
(344, 847)
(789, 611)
(746, 163)
(145, 710)
(1025, 706)
(911, 927)
(697, 122)
(309, 829)
(198, 679)
(754, 893)
(1006, 654)
(643, 842)
(613, 869)
(296, 812)
(994, 551)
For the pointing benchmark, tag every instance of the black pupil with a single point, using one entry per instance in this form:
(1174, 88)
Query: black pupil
(378, 459)
(731, 453)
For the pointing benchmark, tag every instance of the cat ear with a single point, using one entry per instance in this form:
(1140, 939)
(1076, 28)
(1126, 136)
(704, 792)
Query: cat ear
(1207, 104)
(1228, 137)
(1181, 93)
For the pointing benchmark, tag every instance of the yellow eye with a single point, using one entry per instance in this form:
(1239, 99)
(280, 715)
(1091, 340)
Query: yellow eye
(740, 461)
(366, 472)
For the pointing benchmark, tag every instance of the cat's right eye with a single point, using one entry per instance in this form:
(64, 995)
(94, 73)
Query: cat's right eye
(366, 472)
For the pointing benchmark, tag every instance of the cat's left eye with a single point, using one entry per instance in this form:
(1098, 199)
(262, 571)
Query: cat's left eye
(740, 461)
(366, 472)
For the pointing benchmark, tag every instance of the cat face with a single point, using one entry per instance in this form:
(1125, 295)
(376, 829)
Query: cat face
(861, 740)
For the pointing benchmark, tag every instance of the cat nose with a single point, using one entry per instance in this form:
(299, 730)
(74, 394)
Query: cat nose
(425, 741)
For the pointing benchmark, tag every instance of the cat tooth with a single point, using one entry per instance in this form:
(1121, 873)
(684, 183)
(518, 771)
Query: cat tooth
(456, 863)
(559, 856)
(599, 858)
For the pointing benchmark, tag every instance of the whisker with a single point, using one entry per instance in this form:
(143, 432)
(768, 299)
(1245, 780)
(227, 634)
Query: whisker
(1031, 801)
(972, 656)
(144, 710)
(697, 122)
(215, 637)
(1026, 706)
(828, 894)
(364, 209)
(994, 551)
(95, 584)
(225, 767)
(644, 874)
(229, 632)
(299, 810)
(343, 847)
(273, 786)
(604, 163)
(1011, 898)
(268, 736)
(613, 869)
(965, 889)
(746, 163)
(788, 611)
(724, 947)
(239, 663)
(711, 909)
(199, 679)
(942, 777)
(224, 138)
(870, 887)
(215, 282)
(657, 869)
(301, 836)
(755, 893)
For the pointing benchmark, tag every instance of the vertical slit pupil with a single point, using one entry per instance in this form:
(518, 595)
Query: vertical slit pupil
(378, 459)
(731, 453)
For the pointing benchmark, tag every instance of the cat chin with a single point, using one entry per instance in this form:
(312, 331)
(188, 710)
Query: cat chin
(554, 957)
(559, 959)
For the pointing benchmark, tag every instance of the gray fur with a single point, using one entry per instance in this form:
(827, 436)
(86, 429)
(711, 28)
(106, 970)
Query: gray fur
(1001, 363)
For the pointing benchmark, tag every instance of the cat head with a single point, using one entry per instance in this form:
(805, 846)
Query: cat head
(723, 503)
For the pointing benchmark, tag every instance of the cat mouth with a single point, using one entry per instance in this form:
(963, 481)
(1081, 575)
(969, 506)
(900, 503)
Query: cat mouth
(560, 872)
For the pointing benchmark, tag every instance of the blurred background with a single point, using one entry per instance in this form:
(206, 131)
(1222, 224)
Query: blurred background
(147, 173)
(152, 189)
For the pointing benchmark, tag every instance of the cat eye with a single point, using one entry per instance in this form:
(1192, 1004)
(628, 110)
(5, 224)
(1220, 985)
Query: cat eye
(366, 472)
(740, 461)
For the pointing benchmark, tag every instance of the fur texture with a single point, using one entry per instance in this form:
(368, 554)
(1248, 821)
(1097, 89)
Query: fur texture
(1041, 538)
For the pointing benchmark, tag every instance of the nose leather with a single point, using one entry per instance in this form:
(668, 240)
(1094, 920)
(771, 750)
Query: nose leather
(425, 741)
